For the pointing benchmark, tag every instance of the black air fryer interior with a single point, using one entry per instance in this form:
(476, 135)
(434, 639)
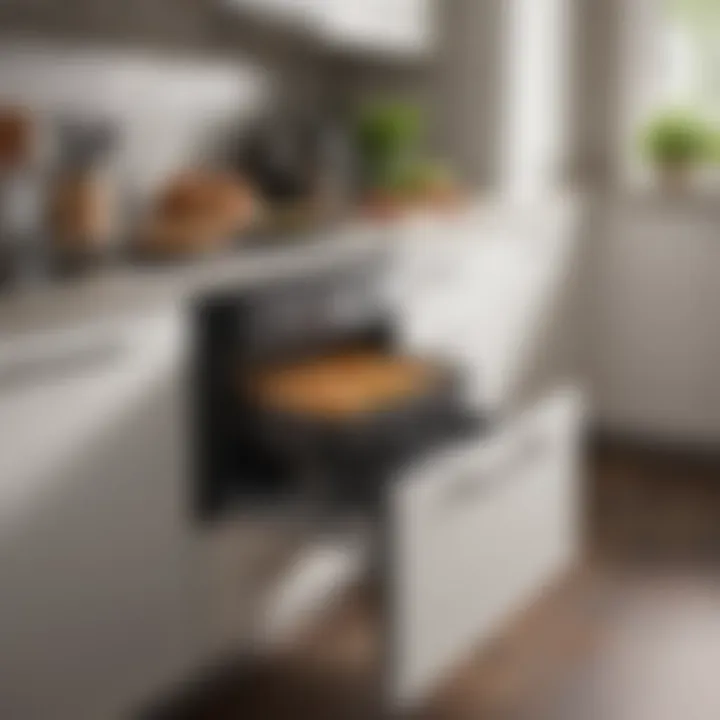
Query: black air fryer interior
(248, 452)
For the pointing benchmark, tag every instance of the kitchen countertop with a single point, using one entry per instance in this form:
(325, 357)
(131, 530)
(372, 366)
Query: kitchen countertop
(126, 323)
(121, 292)
(125, 292)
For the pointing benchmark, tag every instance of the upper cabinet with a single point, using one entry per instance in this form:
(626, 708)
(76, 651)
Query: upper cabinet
(401, 28)
(282, 11)
(393, 27)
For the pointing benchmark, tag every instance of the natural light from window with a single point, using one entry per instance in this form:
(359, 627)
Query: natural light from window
(690, 46)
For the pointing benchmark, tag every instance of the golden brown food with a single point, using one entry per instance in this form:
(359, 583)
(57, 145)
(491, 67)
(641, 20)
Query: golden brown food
(198, 211)
(204, 193)
(341, 386)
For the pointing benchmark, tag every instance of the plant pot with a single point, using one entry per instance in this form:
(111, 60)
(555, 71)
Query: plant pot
(676, 177)
(446, 199)
(383, 205)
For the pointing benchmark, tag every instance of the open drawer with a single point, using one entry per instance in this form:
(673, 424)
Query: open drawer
(465, 540)
(474, 536)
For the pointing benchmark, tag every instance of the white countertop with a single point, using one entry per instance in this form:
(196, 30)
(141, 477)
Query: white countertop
(124, 291)
(127, 291)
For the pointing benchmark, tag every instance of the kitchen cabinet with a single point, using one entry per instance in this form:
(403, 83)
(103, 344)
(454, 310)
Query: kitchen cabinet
(99, 592)
(111, 593)
(655, 350)
(385, 27)
(492, 287)
(476, 535)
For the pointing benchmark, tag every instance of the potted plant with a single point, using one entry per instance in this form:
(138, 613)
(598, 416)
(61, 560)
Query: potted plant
(677, 143)
(432, 184)
(388, 136)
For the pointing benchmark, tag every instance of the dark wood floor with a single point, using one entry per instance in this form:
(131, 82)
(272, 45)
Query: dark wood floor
(632, 635)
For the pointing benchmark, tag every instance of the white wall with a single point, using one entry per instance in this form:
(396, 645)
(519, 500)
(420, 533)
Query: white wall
(536, 99)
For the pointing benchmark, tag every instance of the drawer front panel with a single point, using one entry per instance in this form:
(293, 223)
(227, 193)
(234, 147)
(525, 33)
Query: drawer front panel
(475, 536)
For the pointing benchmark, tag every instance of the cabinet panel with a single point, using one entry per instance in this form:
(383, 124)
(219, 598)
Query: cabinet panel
(391, 27)
(476, 536)
(657, 343)
(483, 292)
(98, 565)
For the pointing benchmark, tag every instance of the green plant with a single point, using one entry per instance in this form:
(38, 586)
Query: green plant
(388, 135)
(714, 146)
(429, 175)
(676, 138)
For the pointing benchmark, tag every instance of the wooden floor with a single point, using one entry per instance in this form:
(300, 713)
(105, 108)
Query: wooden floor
(632, 635)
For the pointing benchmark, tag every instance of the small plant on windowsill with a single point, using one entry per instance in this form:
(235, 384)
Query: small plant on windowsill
(677, 143)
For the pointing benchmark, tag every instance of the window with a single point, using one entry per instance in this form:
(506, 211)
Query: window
(670, 62)
(690, 54)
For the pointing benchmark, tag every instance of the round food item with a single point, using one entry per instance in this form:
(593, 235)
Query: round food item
(199, 211)
(207, 194)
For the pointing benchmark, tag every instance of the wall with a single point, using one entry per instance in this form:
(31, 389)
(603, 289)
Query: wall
(463, 86)
(615, 83)
(459, 85)
(468, 87)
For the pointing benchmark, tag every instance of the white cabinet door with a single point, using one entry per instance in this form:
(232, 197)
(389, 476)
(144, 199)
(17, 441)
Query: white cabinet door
(657, 347)
(386, 26)
(392, 27)
(475, 536)
(97, 600)
(482, 289)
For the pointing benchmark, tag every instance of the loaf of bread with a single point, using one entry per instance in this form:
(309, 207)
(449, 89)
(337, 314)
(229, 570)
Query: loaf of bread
(199, 211)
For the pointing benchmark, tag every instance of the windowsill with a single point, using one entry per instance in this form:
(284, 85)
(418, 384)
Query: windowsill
(692, 205)
(700, 193)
